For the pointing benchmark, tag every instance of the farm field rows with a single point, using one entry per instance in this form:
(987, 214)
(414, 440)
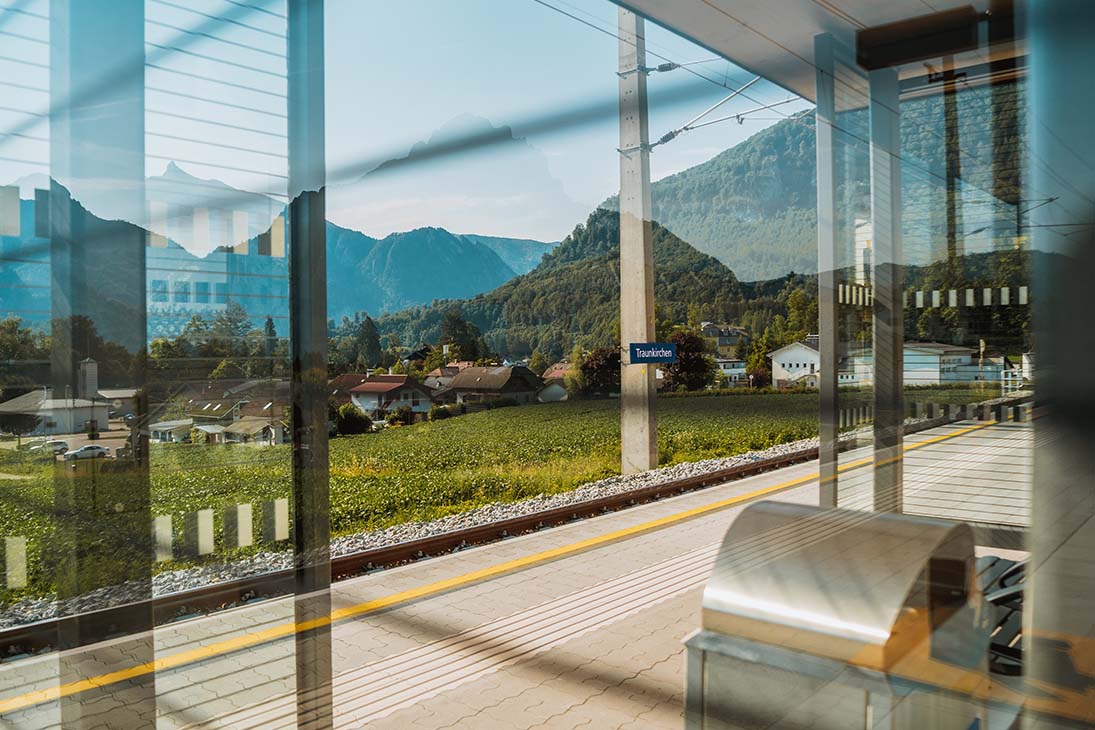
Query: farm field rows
(428, 470)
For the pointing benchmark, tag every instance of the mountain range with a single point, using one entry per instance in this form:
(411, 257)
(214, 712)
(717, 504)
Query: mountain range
(365, 274)
(378, 276)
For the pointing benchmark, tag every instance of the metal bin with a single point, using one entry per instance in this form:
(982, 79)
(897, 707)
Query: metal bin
(836, 620)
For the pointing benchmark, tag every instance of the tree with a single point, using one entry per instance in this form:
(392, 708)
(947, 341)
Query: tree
(694, 368)
(231, 323)
(349, 420)
(270, 345)
(367, 341)
(455, 330)
(759, 378)
(538, 363)
(395, 346)
(757, 362)
(24, 358)
(695, 315)
(600, 371)
(227, 370)
(574, 381)
(741, 349)
(18, 342)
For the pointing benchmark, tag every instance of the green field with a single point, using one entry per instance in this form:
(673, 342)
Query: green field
(432, 469)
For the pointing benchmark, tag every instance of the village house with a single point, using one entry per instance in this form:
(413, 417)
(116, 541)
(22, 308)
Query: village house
(556, 372)
(257, 431)
(380, 394)
(417, 356)
(439, 378)
(794, 364)
(57, 415)
(171, 432)
(732, 369)
(722, 339)
(485, 384)
(339, 387)
(215, 410)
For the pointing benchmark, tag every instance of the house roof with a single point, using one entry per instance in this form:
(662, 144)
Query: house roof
(27, 403)
(724, 330)
(117, 393)
(259, 388)
(450, 369)
(557, 370)
(37, 401)
(347, 381)
(386, 384)
(937, 347)
(172, 425)
(213, 408)
(773, 353)
(419, 353)
(248, 425)
(59, 404)
(494, 378)
(776, 40)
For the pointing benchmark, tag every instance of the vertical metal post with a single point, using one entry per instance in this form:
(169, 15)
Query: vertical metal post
(308, 352)
(888, 331)
(97, 271)
(828, 315)
(1061, 587)
(953, 158)
(638, 428)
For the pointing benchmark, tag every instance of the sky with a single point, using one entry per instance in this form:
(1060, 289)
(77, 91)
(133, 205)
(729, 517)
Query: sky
(398, 74)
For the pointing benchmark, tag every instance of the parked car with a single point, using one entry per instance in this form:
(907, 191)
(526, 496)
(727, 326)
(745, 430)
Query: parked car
(49, 447)
(91, 451)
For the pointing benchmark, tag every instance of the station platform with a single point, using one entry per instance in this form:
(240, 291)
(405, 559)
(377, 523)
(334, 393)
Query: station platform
(576, 626)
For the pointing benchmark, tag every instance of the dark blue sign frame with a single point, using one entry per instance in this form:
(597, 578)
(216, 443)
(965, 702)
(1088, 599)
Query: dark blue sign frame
(650, 352)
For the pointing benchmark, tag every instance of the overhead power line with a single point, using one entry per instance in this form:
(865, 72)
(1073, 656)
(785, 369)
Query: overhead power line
(691, 123)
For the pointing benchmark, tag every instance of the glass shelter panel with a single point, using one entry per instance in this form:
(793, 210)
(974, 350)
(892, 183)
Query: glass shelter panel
(944, 336)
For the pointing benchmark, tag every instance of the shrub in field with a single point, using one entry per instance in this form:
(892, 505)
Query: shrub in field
(440, 413)
(402, 415)
(600, 371)
(694, 368)
(349, 420)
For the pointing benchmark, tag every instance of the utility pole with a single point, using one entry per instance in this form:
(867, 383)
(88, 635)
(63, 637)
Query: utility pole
(638, 427)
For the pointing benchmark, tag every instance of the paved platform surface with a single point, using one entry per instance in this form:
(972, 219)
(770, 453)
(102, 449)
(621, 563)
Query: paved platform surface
(577, 626)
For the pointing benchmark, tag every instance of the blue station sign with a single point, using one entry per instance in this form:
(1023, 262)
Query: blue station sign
(653, 352)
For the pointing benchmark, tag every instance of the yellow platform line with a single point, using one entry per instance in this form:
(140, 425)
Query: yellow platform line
(246, 641)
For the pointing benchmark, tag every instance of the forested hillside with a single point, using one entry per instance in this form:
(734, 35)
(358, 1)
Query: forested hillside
(572, 297)
(753, 207)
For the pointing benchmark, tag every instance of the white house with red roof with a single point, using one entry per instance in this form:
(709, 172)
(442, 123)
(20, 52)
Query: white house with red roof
(377, 395)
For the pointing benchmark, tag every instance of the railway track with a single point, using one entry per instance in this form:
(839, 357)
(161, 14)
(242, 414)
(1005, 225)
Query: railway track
(43, 635)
